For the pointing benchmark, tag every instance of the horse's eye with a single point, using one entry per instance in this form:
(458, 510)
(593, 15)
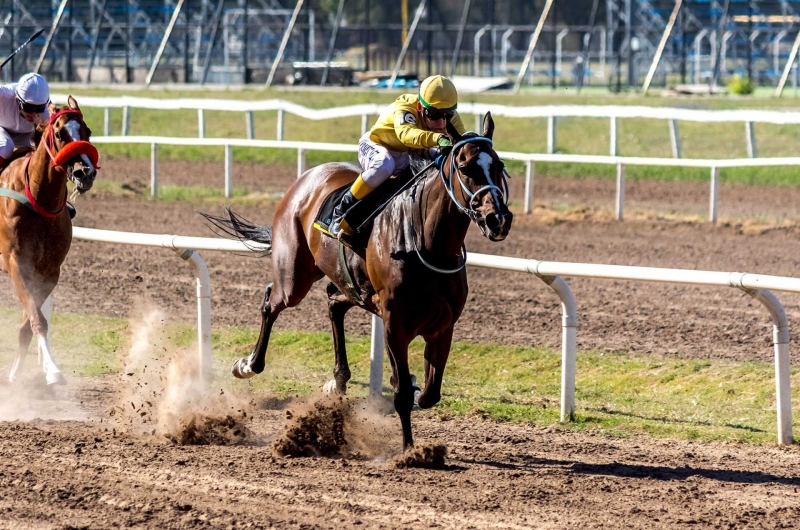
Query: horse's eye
(62, 135)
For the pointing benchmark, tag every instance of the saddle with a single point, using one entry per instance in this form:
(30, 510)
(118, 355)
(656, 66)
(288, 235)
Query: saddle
(361, 215)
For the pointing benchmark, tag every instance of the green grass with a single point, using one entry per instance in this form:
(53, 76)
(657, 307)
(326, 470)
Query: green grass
(637, 137)
(618, 394)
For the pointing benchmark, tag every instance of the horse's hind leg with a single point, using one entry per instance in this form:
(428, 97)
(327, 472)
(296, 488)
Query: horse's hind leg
(247, 367)
(25, 336)
(338, 306)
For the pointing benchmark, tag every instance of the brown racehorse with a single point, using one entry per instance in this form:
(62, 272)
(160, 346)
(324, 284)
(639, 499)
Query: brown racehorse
(35, 227)
(411, 272)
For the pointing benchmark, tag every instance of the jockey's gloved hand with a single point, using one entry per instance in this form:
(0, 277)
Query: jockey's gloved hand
(444, 141)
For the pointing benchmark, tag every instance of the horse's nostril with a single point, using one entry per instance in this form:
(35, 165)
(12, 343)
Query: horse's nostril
(493, 222)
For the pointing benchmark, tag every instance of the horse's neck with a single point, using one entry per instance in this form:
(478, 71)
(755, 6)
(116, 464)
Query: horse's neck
(47, 184)
(444, 227)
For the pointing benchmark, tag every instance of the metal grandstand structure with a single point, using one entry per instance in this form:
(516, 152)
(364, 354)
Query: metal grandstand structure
(237, 41)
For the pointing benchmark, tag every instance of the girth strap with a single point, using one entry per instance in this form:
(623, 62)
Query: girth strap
(347, 275)
(17, 196)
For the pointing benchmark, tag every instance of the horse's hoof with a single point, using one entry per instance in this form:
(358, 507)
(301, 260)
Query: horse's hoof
(241, 370)
(55, 378)
(417, 390)
(329, 389)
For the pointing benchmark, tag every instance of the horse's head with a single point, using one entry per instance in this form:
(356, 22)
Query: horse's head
(482, 190)
(66, 138)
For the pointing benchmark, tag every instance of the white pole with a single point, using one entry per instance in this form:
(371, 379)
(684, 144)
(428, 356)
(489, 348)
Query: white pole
(203, 282)
(126, 120)
(532, 45)
(675, 139)
(364, 124)
(788, 68)
(620, 191)
(284, 41)
(409, 38)
(376, 358)
(613, 137)
(228, 171)
(478, 124)
(301, 162)
(106, 121)
(529, 175)
(714, 196)
(250, 124)
(780, 338)
(551, 135)
(660, 50)
(279, 132)
(153, 170)
(750, 137)
(201, 123)
(569, 344)
(163, 44)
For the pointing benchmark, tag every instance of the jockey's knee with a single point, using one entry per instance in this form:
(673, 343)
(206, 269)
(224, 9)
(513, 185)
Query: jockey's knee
(379, 173)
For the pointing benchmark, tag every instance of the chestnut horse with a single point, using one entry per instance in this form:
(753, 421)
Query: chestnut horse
(35, 227)
(410, 273)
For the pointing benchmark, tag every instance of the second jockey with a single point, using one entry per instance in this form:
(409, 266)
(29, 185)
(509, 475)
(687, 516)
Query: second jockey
(413, 121)
(23, 106)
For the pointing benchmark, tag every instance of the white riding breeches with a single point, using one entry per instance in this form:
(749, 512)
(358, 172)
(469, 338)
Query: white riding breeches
(9, 140)
(378, 163)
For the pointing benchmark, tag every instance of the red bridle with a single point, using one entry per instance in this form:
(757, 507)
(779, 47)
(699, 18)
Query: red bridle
(68, 152)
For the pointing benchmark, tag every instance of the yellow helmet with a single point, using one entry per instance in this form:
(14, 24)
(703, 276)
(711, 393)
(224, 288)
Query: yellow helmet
(438, 92)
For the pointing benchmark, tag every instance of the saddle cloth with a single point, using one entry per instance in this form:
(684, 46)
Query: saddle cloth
(361, 214)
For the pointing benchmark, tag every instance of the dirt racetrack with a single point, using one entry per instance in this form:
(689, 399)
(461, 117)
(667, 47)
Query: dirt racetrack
(70, 474)
(73, 471)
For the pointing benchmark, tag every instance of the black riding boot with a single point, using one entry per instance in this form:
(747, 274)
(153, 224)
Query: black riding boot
(338, 223)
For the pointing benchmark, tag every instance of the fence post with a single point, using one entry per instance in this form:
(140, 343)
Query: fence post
(613, 143)
(551, 135)
(126, 120)
(364, 124)
(228, 170)
(250, 125)
(714, 196)
(279, 132)
(376, 358)
(301, 162)
(620, 191)
(675, 138)
(153, 170)
(478, 122)
(106, 122)
(529, 174)
(201, 123)
(750, 136)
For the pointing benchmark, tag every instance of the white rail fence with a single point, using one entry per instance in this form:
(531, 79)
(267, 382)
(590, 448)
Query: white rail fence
(755, 285)
(620, 162)
(551, 112)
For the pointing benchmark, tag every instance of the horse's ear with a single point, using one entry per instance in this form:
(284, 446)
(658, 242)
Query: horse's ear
(72, 103)
(52, 108)
(488, 126)
(453, 133)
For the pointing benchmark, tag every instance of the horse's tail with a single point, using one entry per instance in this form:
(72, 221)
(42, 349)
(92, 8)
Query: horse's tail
(233, 225)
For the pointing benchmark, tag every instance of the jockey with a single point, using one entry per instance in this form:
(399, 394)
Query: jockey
(413, 121)
(23, 105)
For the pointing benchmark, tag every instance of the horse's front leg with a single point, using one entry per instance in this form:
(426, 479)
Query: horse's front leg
(437, 350)
(397, 345)
(35, 296)
(25, 336)
(338, 306)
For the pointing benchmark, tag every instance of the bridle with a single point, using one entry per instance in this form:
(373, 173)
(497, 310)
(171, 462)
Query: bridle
(60, 158)
(449, 186)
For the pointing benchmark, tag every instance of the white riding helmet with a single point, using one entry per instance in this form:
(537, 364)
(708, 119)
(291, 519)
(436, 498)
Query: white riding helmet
(33, 89)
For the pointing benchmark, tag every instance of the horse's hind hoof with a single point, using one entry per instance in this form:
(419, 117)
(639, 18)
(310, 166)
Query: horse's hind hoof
(56, 378)
(329, 389)
(241, 370)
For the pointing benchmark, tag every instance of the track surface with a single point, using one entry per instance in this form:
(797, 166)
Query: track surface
(62, 474)
(75, 474)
